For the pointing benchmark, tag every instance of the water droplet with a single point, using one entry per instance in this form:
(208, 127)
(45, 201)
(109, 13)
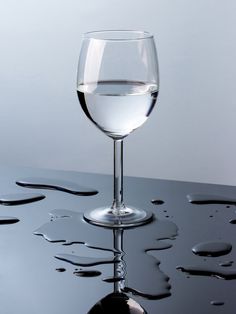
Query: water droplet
(20, 198)
(212, 248)
(60, 269)
(233, 221)
(4, 220)
(217, 303)
(157, 202)
(202, 199)
(56, 184)
(87, 273)
(226, 264)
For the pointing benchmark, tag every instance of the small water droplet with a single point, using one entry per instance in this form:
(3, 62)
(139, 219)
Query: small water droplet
(60, 269)
(157, 202)
(217, 303)
(232, 221)
(87, 273)
(226, 264)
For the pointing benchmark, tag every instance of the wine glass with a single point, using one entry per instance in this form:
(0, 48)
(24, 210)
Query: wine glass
(117, 86)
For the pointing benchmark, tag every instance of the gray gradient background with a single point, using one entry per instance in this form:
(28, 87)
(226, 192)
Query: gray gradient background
(190, 135)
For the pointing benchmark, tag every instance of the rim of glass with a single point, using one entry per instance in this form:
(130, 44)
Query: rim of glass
(113, 35)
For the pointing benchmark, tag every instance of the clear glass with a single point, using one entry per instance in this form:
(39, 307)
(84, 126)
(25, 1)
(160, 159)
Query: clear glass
(117, 86)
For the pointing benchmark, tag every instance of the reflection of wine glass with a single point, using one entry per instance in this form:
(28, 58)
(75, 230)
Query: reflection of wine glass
(117, 302)
(117, 87)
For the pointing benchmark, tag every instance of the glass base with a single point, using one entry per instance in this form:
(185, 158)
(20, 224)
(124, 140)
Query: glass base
(105, 217)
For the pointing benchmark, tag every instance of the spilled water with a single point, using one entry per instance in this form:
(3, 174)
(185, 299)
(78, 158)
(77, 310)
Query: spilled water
(8, 220)
(212, 248)
(157, 202)
(212, 271)
(69, 227)
(61, 269)
(202, 199)
(217, 302)
(20, 198)
(226, 264)
(87, 273)
(56, 184)
(84, 261)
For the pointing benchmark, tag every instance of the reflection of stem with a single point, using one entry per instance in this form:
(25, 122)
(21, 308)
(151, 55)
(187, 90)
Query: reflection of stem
(119, 271)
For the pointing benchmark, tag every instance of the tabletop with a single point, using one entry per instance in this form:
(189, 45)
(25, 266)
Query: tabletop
(52, 261)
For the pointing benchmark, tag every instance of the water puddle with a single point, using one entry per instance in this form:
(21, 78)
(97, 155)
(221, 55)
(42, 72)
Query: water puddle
(56, 184)
(20, 198)
(201, 199)
(134, 271)
(212, 271)
(4, 220)
(212, 248)
(87, 273)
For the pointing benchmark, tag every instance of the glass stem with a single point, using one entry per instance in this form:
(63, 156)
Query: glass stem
(118, 206)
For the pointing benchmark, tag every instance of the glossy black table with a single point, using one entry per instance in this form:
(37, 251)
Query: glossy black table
(50, 275)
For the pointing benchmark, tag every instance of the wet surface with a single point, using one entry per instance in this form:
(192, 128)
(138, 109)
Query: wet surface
(61, 269)
(212, 248)
(217, 302)
(56, 184)
(20, 198)
(69, 227)
(157, 202)
(212, 271)
(203, 199)
(4, 220)
(151, 268)
(87, 273)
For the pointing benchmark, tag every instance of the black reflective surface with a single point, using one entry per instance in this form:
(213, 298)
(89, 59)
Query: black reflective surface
(144, 272)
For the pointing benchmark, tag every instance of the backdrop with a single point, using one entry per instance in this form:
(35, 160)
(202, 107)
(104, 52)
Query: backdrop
(191, 133)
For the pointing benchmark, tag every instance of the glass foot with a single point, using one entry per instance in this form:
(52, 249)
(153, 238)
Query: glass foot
(130, 218)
